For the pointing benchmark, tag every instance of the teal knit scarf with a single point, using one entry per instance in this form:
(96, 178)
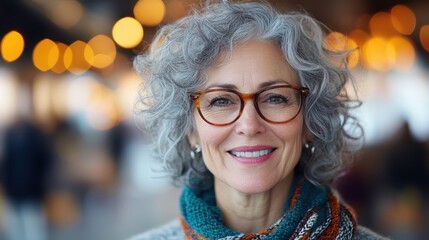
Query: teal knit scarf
(310, 213)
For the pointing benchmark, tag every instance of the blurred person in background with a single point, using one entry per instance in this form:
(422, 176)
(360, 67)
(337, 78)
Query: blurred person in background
(247, 110)
(25, 165)
(405, 188)
(388, 185)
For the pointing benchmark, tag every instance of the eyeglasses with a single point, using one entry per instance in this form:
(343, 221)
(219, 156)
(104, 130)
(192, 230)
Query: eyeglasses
(276, 104)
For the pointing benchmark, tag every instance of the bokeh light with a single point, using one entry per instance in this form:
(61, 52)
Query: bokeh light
(74, 57)
(100, 51)
(403, 19)
(45, 55)
(149, 12)
(127, 32)
(12, 46)
(380, 25)
(359, 36)
(401, 53)
(375, 51)
(59, 66)
(424, 37)
(338, 42)
(396, 53)
(65, 13)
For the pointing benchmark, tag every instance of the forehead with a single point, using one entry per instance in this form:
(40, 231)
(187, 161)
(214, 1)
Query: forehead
(251, 64)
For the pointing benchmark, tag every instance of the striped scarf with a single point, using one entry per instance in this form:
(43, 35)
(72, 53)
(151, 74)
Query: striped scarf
(311, 213)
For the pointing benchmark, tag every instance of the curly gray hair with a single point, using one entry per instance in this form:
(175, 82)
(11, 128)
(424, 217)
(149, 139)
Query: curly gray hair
(182, 51)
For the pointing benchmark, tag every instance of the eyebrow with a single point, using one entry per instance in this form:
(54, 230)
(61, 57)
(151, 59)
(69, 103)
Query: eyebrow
(262, 85)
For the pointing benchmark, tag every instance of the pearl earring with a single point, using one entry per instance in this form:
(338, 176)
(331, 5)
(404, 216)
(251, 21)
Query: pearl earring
(195, 152)
(310, 147)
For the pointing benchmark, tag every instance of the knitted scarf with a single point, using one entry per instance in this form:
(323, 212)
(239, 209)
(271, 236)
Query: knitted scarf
(310, 213)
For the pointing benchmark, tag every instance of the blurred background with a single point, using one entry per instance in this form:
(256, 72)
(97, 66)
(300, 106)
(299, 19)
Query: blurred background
(74, 164)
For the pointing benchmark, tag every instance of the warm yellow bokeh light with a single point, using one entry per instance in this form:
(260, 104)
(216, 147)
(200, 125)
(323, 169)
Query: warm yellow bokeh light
(59, 67)
(359, 36)
(375, 52)
(403, 19)
(12, 46)
(396, 53)
(127, 32)
(401, 53)
(338, 42)
(149, 12)
(74, 57)
(100, 51)
(45, 55)
(424, 37)
(380, 25)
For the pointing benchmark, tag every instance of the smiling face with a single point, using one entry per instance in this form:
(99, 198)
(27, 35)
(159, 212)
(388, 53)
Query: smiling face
(251, 155)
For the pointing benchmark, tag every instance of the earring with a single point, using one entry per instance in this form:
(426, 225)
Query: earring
(195, 152)
(310, 147)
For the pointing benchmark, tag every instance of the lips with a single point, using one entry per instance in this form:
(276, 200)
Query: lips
(252, 154)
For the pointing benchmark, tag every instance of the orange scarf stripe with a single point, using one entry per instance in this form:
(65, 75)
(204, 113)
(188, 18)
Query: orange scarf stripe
(306, 236)
(333, 228)
(267, 231)
(249, 237)
(296, 194)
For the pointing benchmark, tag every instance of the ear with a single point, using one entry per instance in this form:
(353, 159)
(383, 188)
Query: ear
(193, 137)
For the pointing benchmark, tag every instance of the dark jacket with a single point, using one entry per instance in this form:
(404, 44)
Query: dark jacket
(25, 162)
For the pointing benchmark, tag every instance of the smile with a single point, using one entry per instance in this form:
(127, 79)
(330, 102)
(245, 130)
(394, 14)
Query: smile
(251, 154)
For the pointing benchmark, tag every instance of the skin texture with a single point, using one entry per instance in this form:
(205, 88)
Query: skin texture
(251, 192)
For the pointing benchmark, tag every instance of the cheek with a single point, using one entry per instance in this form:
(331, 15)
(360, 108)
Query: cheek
(294, 135)
(292, 132)
(210, 136)
(291, 137)
(212, 139)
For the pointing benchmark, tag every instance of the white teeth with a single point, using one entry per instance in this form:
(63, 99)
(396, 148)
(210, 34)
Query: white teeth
(251, 154)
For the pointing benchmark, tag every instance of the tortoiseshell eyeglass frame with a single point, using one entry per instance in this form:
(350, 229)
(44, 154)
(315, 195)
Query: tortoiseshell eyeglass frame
(303, 92)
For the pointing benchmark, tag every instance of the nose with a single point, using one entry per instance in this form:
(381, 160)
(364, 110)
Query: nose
(249, 123)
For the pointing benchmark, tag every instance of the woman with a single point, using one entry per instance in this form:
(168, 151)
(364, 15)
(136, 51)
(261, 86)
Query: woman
(247, 111)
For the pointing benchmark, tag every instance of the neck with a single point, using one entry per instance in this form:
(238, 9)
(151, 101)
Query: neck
(251, 213)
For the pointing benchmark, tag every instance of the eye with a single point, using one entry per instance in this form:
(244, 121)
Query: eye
(276, 99)
(220, 99)
(220, 102)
